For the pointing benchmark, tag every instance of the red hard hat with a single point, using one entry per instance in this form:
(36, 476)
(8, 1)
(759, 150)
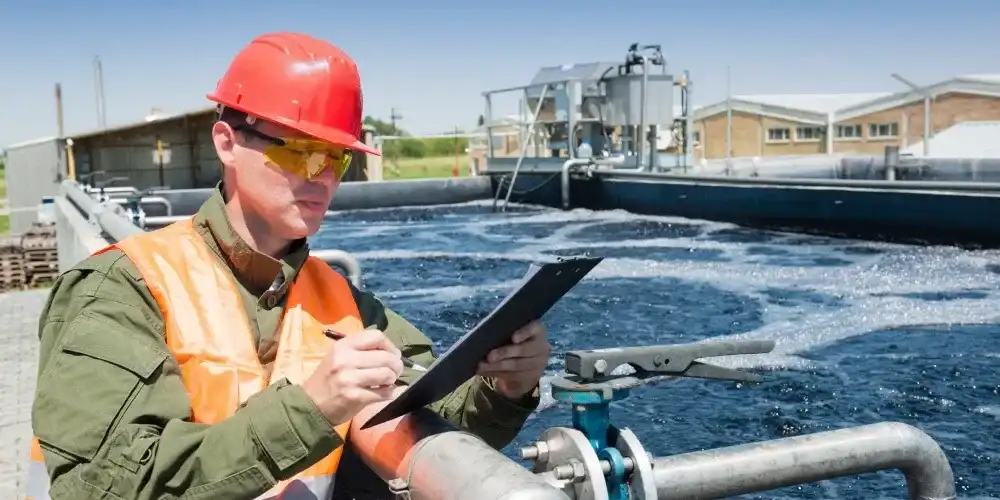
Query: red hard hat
(300, 82)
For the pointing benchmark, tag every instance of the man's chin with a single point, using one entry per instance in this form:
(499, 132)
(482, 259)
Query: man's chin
(297, 227)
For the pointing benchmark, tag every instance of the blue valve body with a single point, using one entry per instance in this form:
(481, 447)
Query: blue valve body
(592, 416)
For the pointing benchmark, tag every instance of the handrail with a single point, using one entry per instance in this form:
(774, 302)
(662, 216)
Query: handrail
(341, 259)
(767, 465)
(112, 222)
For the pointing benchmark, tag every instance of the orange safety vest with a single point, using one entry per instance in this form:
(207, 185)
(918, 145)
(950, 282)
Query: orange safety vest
(209, 335)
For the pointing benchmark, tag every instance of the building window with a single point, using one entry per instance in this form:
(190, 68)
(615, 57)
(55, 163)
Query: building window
(696, 137)
(848, 131)
(807, 134)
(778, 134)
(883, 130)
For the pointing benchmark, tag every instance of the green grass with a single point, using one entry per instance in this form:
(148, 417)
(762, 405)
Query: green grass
(4, 219)
(423, 168)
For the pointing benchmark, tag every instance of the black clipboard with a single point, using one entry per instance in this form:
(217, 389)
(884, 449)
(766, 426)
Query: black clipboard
(540, 289)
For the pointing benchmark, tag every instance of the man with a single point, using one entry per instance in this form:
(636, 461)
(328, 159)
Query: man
(191, 362)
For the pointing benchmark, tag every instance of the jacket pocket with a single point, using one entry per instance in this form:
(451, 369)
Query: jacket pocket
(94, 374)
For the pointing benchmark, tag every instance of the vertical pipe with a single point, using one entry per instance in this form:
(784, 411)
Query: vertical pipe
(927, 124)
(729, 121)
(891, 162)
(689, 128)
(59, 110)
(641, 149)
(487, 121)
(830, 120)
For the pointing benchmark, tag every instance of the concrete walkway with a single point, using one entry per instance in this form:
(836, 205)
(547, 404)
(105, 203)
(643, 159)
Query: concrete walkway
(19, 357)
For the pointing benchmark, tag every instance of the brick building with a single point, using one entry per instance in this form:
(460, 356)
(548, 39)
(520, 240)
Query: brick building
(864, 123)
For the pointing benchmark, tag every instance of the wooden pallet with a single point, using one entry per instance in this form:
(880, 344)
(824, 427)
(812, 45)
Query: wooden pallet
(41, 256)
(10, 245)
(41, 229)
(39, 279)
(41, 266)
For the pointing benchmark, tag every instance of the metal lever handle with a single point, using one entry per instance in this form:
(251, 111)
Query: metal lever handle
(663, 360)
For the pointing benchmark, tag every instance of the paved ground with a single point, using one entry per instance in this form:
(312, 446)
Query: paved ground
(19, 337)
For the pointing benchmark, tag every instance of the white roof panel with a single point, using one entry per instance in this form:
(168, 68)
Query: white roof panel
(962, 140)
(816, 103)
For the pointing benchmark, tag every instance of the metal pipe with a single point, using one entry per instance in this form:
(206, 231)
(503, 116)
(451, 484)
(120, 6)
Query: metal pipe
(160, 221)
(689, 119)
(83, 201)
(640, 152)
(768, 465)
(342, 259)
(113, 190)
(986, 187)
(729, 122)
(114, 224)
(927, 124)
(891, 162)
(566, 167)
(149, 199)
(426, 457)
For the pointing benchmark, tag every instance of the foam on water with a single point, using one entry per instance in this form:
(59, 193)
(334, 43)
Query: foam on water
(829, 304)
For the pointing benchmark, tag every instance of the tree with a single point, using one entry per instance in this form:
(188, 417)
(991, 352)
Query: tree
(382, 127)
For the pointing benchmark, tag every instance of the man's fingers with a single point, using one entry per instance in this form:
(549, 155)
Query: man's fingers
(513, 365)
(377, 359)
(534, 347)
(531, 330)
(375, 377)
(370, 340)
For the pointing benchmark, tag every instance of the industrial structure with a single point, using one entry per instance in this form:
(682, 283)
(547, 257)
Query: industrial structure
(162, 151)
(797, 124)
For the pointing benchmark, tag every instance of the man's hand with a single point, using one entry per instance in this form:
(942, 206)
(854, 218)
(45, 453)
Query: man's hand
(359, 370)
(519, 366)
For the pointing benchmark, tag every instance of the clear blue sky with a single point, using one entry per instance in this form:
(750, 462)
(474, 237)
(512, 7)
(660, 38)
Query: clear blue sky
(431, 59)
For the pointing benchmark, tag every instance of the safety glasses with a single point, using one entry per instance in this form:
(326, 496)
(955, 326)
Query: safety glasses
(307, 158)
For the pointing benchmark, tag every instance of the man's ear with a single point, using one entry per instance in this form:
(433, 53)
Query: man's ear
(224, 138)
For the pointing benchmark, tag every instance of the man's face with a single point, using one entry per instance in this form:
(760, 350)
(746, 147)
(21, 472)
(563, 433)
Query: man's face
(259, 172)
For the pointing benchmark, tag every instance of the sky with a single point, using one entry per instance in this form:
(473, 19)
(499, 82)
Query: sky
(432, 59)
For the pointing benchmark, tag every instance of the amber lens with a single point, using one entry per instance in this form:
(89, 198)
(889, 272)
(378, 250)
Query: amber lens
(308, 159)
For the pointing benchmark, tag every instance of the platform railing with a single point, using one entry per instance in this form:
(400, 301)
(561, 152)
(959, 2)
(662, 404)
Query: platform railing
(109, 221)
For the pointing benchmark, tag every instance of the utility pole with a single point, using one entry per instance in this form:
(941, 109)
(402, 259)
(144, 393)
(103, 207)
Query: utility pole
(927, 109)
(99, 93)
(392, 119)
(729, 121)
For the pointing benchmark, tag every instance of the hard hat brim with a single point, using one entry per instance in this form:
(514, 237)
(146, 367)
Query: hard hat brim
(333, 136)
(326, 134)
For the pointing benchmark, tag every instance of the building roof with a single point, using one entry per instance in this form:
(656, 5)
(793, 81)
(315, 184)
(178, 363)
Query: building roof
(820, 108)
(962, 140)
(141, 123)
(586, 72)
(818, 103)
(156, 117)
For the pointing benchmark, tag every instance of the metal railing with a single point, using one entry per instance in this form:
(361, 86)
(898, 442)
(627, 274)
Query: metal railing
(109, 217)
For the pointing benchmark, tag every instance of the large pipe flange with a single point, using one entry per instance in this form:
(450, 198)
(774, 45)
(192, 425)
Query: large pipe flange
(641, 481)
(572, 464)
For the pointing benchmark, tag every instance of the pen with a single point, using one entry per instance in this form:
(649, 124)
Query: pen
(407, 362)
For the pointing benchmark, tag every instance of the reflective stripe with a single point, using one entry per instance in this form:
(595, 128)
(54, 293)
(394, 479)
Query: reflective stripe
(38, 481)
(303, 488)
